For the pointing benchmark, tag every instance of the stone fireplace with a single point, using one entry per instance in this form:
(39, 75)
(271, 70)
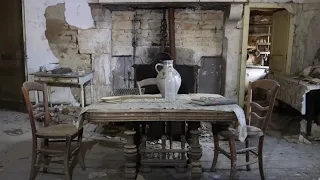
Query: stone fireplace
(123, 39)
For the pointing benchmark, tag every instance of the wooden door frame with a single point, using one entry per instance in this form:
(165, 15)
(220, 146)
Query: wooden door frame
(245, 34)
(24, 40)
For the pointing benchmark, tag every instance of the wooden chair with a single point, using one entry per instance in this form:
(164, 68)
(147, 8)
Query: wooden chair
(63, 133)
(265, 112)
(146, 82)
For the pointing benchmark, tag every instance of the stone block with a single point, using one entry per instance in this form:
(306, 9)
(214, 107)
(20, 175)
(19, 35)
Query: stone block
(94, 41)
(206, 44)
(122, 50)
(187, 16)
(123, 15)
(154, 25)
(190, 26)
(212, 51)
(144, 25)
(217, 15)
(65, 38)
(97, 12)
(207, 26)
(101, 67)
(85, 57)
(216, 23)
(125, 37)
(73, 35)
(145, 32)
(188, 44)
(73, 45)
(121, 24)
(149, 14)
(103, 25)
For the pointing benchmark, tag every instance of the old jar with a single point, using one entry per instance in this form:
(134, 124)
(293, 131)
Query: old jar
(170, 77)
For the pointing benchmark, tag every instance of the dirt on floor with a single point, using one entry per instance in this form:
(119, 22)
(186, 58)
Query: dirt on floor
(284, 156)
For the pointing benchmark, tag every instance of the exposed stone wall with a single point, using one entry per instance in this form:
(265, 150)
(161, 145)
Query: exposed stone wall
(62, 40)
(39, 52)
(86, 48)
(96, 42)
(306, 36)
(198, 33)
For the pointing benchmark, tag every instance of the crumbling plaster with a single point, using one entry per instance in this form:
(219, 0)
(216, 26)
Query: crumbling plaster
(38, 51)
(306, 18)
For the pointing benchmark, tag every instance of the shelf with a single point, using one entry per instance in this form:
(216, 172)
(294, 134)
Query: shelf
(260, 25)
(259, 35)
(263, 44)
(263, 53)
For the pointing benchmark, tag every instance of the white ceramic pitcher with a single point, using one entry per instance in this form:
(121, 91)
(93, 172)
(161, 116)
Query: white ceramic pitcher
(163, 74)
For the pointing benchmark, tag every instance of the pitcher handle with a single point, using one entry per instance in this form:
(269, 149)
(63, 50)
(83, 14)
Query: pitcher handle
(156, 67)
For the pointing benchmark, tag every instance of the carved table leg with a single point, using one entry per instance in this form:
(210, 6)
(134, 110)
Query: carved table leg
(195, 154)
(130, 154)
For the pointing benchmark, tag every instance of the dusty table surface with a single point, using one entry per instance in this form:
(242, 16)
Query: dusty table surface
(156, 108)
(66, 75)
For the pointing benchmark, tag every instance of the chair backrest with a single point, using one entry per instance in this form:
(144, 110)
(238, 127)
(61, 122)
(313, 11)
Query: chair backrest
(38, 110)
(146, 82)
(271, 87)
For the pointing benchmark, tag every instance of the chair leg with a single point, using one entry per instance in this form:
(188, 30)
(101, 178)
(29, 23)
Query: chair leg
(67, 169)
(45, 157)
(81, 162)
(233, 156)
(79, 156)
(216, 152)
(260, 157)
(248, 155)
(34, 172)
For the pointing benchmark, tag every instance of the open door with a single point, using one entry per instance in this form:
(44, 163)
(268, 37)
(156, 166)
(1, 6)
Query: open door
(280, 50)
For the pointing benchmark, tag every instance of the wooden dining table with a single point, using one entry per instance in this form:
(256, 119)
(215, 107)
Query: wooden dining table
(148, 108)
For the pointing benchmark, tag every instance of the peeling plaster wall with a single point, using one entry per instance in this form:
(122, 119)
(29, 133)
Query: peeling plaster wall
(306, 36)
(38, 51)
(98, 50)
(62, 39)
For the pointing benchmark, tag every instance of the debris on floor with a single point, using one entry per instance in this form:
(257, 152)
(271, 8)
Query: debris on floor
(315, 130)
(292, 139)
(302, 139)
(98, 174)
(14, 132)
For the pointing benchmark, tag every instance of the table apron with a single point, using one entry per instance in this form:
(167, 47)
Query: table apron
(129, 117)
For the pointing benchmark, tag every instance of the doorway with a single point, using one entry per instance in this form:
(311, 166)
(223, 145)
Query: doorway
(12, 66)
(267, 43)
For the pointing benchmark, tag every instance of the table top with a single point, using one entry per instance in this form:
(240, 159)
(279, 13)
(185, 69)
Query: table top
(67, 75)
(293, 91)
(156, 108)
(128, 107)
